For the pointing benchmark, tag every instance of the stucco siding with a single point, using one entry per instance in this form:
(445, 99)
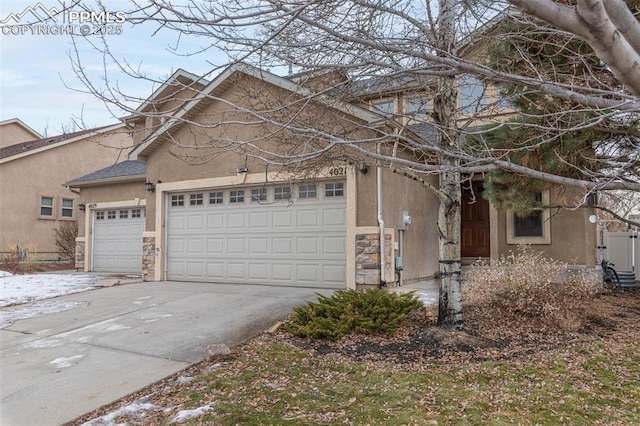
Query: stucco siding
(24, 180)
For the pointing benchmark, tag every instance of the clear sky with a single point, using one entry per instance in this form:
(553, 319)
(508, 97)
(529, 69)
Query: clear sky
(38, 84)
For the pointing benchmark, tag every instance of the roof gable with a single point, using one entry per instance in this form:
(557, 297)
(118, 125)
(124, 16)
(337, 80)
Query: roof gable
(218, 83)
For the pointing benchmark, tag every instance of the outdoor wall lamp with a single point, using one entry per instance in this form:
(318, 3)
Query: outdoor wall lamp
(149, 186)
(82, 207)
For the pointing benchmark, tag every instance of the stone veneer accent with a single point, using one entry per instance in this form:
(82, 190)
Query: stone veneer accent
(148, 258)
(368, 260)
(79, 258)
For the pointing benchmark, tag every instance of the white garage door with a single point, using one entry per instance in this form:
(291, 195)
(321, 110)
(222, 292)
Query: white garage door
(117, 240)
(283, 235)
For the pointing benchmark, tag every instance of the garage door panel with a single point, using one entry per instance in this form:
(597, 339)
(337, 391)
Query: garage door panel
(195, 245)
(282, 272)
(258, 246)
(236, 270)
(334, 246)
(308, 273)
(235, 220)
(334, 217)
(176, 222)
(215, 270)
(302, 241)
(282, 219)
(308, 245)
(215, 245)
(259, 220)
(307, 218)
(258, 271)
(215, 222)
(196, 222)
(235, 246)
(282, 245)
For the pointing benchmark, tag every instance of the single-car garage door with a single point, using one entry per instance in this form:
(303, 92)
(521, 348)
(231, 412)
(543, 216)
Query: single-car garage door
(117, 240)
(283, 235)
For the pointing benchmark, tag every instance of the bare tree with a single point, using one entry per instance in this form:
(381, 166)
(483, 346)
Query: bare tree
(428, 47)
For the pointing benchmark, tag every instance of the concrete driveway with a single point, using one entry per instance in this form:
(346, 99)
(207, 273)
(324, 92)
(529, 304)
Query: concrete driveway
(57, 367)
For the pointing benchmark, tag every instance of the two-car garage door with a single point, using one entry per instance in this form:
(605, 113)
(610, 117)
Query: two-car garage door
(284, 235)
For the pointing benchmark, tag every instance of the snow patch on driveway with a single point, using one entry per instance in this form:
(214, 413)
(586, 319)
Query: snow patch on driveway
(37, 309)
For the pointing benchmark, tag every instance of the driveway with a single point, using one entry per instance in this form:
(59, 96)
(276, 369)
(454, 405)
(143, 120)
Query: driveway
(117, 340)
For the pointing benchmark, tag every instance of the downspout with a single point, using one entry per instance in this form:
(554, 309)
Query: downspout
(380, 220)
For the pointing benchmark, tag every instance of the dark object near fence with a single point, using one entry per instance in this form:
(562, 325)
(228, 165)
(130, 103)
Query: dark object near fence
(619, 279)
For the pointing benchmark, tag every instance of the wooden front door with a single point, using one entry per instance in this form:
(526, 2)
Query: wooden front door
(475, 222)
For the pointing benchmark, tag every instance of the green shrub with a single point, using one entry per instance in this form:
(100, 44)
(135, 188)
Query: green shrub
(526, 287)
(349, 311)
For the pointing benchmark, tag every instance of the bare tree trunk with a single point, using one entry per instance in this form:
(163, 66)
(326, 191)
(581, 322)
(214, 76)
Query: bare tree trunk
(449, 215)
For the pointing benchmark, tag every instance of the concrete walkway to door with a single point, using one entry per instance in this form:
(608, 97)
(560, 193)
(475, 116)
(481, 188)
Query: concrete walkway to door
(57, 367)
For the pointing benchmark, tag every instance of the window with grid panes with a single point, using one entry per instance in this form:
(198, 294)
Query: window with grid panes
(307, 191)
(216, 197)
(236, 196)
(334, 189)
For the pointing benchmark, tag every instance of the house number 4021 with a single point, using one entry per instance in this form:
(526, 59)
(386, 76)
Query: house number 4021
(337, 171)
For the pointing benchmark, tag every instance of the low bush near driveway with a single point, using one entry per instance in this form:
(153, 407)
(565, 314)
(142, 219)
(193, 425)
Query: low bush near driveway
(348, 311)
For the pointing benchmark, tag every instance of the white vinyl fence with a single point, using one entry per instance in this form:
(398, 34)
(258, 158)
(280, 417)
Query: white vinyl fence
(622, 248)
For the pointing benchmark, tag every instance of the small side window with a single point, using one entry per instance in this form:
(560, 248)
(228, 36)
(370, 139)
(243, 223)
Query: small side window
(46, 206)
(67, 208)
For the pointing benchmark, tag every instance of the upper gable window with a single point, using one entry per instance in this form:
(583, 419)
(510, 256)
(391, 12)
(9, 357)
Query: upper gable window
(473, 94)
(46, 206)
(386, 108)
(418, 107)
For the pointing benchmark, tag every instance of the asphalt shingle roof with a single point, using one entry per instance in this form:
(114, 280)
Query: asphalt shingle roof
(21, 147)
(122, 169)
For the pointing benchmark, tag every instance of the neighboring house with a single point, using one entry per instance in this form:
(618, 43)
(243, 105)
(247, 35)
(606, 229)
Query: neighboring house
(218, 215)
(14, 131)
(33, 198)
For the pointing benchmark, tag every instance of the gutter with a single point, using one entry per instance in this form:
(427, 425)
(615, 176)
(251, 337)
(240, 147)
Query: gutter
(383, 283)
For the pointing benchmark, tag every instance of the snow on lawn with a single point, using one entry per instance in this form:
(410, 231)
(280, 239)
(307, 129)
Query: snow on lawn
(140, 408)
(17, 289)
